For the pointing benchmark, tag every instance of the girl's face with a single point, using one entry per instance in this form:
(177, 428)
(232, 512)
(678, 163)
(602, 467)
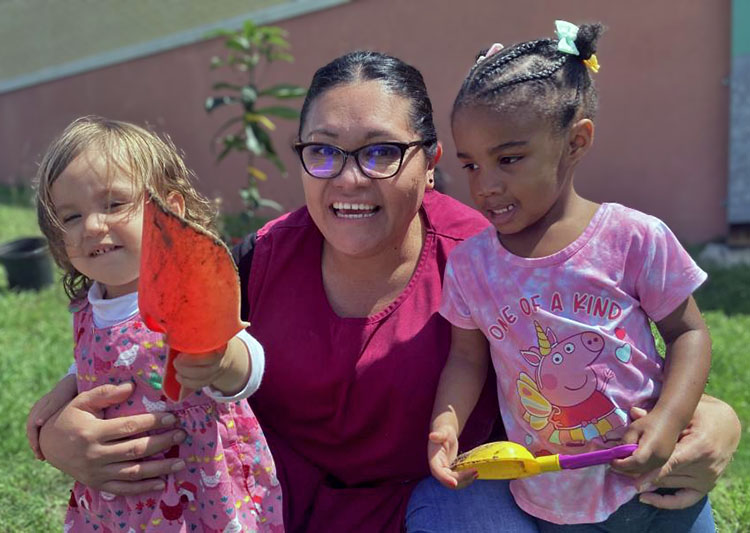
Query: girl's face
(101, 220)
(516, 163)
(359, 216)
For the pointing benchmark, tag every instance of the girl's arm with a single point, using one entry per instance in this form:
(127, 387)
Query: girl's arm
(688, 361)
(227, 371)
(461, 382)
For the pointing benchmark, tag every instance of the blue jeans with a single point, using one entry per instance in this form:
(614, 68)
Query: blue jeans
(637, 517)
(483, 506)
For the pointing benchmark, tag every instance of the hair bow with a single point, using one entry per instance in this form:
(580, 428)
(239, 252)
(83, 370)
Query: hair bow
(495, 48)
(592, 63)
(567, 33)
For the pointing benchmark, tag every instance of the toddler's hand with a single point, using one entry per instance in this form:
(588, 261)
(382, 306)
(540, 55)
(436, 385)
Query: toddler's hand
(195, 371)
(442, 449)
(225, 369)
(45, 407)
(656, 436)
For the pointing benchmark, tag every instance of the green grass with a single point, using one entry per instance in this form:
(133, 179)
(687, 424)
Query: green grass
(36, 349)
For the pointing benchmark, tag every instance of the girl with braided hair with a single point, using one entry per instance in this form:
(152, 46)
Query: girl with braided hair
(558, 293)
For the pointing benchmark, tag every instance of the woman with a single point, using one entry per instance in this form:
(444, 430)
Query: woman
(343, 295)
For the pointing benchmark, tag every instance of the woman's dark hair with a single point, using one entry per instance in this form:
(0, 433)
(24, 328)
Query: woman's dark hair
(396, 76)
(535, 73)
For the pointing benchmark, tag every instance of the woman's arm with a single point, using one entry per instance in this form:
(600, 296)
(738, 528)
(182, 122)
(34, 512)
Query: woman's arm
(106, 454)
(700, 457)
(45, 407)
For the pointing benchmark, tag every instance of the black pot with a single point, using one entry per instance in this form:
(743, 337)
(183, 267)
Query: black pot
(27, 262)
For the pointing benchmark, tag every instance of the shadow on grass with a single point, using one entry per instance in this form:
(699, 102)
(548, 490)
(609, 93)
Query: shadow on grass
(727, 290)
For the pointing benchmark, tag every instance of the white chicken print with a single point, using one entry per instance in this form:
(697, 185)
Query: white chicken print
(234, 526)
(153, 407)
(127, 357)
(210, 481)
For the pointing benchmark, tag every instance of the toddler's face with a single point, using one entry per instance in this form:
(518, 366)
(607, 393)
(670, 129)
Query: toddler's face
(514, 162)
(96, 203)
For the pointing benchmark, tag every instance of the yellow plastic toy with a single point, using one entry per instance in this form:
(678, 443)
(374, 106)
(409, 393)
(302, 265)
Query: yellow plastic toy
(509, 460)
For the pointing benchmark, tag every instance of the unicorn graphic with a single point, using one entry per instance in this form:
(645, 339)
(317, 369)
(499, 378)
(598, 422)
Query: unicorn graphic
(565, 401)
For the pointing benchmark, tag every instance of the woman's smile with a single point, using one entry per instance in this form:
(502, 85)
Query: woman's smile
(354, 210)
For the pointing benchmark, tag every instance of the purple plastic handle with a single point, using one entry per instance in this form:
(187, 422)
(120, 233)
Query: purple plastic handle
(600, 457)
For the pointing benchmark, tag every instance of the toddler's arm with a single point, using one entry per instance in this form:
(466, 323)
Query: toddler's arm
(234, 372)
(460, 384)
(255, 375)
(45, 407)
(688, 361)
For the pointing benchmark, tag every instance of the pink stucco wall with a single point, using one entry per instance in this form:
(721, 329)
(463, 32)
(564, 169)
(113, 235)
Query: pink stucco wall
(662, 131)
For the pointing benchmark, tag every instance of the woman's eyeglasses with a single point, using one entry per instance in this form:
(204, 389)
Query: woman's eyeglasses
(376, 161)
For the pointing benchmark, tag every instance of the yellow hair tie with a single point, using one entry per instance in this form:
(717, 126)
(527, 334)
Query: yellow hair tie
(592, 63)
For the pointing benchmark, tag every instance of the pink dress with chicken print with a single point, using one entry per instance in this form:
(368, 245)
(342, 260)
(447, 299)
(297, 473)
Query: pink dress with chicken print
(229, 483)
(571, 345)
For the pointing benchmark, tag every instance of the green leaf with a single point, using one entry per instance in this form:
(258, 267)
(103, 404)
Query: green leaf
(257, 173)
(218, 33)
(224, 85)
(251, 140)
(267, 202)
(238, 42)
(279, 111)
(261, 119)
(212, 102)
(273, 31)
(249, 28)
(284, 90)
(226, 124)
(224, 153)
(231, 142)
(281, 56)
(249, 95)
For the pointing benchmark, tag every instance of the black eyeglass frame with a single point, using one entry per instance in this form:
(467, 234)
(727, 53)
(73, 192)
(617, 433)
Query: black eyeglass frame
(403, 147)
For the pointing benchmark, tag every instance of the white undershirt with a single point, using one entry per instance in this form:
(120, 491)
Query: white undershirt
(113, 311)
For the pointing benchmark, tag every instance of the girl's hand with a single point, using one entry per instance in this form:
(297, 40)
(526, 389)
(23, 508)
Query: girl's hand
(226, 370)
(108, 454)
(700, 457)
(656, 434)
(45, 407)
(441, 452)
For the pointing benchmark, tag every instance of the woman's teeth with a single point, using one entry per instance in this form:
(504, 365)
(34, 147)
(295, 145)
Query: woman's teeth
(347, 210)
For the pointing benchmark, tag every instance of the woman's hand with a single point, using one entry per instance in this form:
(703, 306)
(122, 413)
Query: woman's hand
(106, 454)
(656, 434)
(701, 455)
(45, 407)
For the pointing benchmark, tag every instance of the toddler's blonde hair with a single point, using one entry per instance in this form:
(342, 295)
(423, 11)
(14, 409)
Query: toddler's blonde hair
(153, 162)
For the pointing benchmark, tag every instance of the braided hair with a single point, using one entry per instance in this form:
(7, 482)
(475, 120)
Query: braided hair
(535, 73)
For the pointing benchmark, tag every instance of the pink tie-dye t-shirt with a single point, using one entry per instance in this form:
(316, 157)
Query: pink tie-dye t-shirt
(571, 345)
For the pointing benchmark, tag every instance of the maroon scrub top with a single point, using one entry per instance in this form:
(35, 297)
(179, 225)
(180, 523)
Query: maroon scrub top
(346, 402)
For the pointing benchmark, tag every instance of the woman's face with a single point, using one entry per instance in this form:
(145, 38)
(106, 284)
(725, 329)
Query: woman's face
(359, 216)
